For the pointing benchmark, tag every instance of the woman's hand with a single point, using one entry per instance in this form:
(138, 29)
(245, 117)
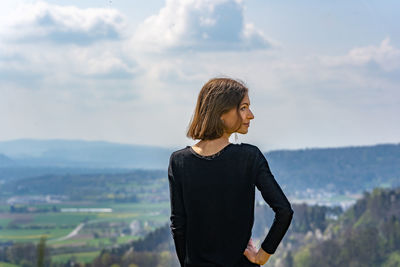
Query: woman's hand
(258, 257)
(251, 251)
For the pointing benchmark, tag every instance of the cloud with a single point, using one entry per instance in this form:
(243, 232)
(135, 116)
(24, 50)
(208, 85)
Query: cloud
(63, 24)
(62, 46)
(199, 25)
(384, 56)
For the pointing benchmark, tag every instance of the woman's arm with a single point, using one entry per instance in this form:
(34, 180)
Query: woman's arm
(276, 199)
(178, 215)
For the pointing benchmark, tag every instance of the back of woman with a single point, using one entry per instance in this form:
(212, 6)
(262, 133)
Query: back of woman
(212, 188)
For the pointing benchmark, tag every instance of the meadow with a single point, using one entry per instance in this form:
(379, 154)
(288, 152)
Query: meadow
(98, 230)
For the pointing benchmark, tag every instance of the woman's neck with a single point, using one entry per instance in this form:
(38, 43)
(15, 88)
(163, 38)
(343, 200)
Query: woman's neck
(209, 147)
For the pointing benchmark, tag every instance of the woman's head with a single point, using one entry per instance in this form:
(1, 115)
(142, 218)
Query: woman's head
(218, 109)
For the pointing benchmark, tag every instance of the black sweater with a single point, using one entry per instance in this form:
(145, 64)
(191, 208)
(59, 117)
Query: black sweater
(212, 204)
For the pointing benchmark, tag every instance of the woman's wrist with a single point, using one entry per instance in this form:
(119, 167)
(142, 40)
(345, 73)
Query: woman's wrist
(262, 256)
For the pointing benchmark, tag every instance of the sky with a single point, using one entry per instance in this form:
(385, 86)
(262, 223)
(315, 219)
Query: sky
(319, 73)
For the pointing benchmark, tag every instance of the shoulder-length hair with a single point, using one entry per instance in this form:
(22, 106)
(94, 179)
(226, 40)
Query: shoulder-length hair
(216, 97)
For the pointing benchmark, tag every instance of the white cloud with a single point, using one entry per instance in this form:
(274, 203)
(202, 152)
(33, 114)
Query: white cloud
(63, 24)
(57, 46)
(199, 25)
(385, 55)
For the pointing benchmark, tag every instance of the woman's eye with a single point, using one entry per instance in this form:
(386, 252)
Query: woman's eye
(243, 108)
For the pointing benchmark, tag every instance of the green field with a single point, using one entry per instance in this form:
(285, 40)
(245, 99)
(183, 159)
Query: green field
(4, 222)
(5, 264)
(26, 235)
(83, 257)
(29, 227)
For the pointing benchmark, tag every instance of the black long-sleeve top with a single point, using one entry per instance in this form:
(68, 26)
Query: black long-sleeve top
(212, 204)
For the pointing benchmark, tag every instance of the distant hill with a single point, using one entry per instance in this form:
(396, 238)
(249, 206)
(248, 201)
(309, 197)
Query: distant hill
(337, 169)
(353, 169)
(15, 171)
(84, 154)
(6, 161)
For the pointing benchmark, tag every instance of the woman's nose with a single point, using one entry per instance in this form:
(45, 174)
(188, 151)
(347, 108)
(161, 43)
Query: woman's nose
(250, 115)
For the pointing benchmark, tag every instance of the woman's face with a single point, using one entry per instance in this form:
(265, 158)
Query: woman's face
(230, 118)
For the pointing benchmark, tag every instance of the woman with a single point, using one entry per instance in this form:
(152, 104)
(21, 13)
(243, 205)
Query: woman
(212, 185)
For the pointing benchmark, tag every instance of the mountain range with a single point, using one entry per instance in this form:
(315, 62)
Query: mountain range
(353, 168)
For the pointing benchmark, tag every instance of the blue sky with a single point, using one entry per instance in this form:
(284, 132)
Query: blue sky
(320, 73)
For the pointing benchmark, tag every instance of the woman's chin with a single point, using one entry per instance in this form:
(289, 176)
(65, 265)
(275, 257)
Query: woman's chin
(243, 131)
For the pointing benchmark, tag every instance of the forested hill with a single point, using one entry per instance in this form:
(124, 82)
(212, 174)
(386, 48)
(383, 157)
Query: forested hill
(374, 209)
(367, 234)
(337, 169)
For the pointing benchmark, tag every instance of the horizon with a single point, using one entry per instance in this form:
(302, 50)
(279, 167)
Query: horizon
(164, 147)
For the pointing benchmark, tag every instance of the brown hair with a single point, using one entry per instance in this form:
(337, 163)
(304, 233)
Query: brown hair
(218, 96)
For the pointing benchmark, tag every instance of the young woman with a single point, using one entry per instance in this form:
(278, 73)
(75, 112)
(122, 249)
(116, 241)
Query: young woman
(212, 185)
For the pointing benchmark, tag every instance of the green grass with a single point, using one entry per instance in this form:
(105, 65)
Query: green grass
(66, 218)
(83, 257)
(4, 222)
(30, 235)
(94, 242)
(126, 239)
(98, 242)
(6, 264)
(66, 242)
(4, 208)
